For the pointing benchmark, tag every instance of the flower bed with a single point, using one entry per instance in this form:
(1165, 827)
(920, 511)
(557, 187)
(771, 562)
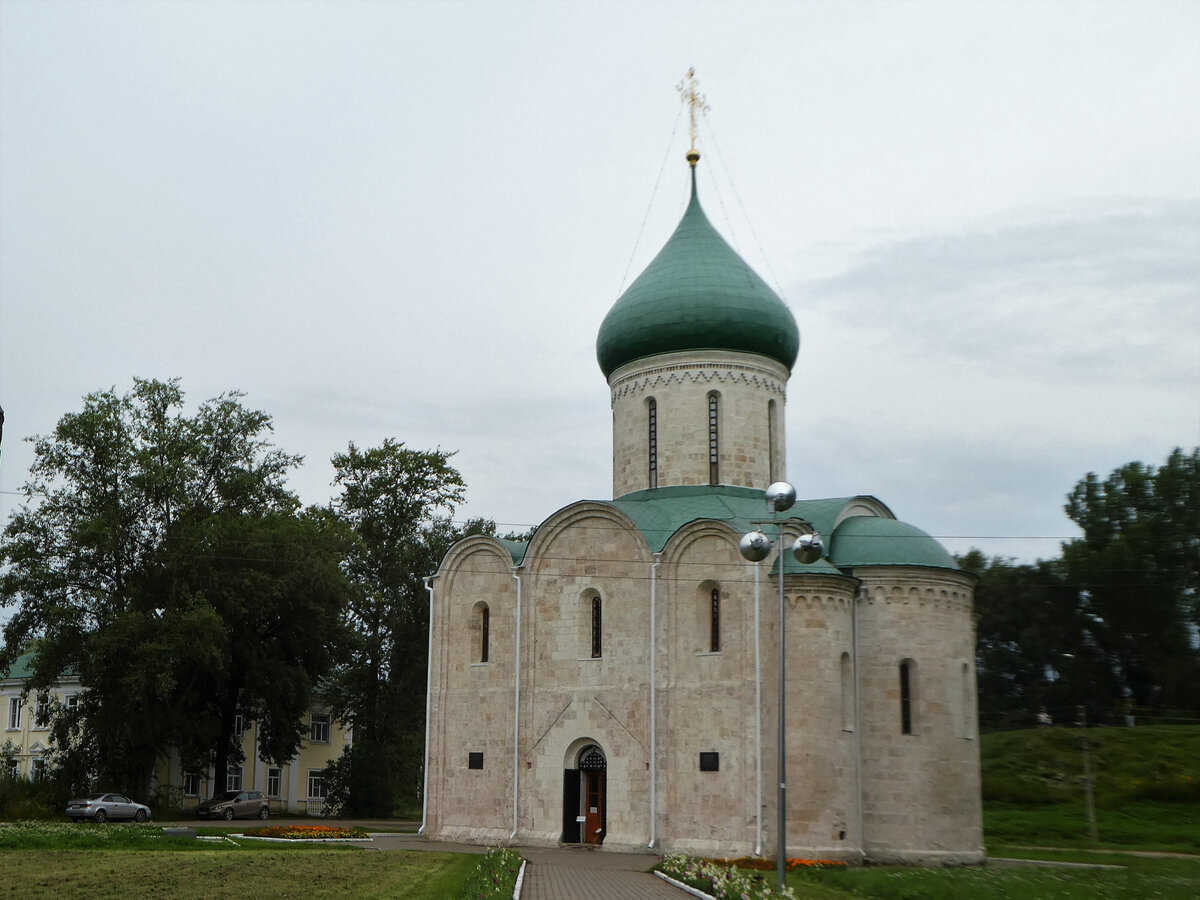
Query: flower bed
(495, 876)
(758, 862)
(736, 879)
(308, 833)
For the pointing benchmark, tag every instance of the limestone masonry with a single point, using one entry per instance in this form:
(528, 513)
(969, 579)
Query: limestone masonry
(613, 680)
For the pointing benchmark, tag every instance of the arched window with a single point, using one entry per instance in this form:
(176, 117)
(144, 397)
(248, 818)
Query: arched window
(597, 645)
(714, 474)
(772, 425)
(906, 696)
(714, 621)
(847, 693)
(652, 425)
(968, 703)
(484, 623)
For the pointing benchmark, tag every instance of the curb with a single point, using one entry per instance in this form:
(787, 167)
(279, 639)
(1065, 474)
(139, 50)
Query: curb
(695, 892)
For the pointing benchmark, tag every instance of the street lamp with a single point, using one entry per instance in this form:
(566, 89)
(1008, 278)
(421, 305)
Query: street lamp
(755, 547)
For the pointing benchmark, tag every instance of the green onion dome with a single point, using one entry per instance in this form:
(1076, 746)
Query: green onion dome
(697, 294)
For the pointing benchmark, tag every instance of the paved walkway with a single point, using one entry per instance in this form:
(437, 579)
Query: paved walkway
(567, 873)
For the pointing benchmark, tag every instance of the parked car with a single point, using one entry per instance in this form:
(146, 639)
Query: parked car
(102, 807)
(235, 804)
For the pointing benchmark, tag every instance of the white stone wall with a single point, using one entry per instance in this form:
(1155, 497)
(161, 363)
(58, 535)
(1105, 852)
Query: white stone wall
(749, 454)
(472, 701)
(921, 791)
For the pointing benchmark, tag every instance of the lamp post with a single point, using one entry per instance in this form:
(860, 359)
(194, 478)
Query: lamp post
(808, 548)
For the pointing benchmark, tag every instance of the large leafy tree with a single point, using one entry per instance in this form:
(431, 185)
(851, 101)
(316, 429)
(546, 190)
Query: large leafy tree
(160, 557)
(1036, 653)
(1137, 570)
(398, 503)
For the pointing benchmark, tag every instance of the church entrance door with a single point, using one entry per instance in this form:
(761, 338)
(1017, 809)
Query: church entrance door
(590, 795)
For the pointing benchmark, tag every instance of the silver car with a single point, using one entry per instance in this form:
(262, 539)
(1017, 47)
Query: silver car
(102, 807)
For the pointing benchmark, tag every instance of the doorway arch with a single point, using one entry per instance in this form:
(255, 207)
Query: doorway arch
(585, 795)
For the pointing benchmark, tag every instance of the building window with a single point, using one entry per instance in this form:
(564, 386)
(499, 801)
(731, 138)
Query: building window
(14, 713)
(847, 693)
(319, 728)
(652, 420)
(772, 425)
(968, 703)
(316, 784)
(714, 621)
(191, 784)
(37, 768)
(41, 714)
(274, 780)
(597, 645)
(14, 767)
(475, 760)
(714, 474)
(233, 779)
(72, 702)
(239, 724)
(710, 761)
(484, 624)
(906, 680)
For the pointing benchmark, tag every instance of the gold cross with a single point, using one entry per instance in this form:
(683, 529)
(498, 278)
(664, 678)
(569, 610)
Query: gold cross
(696, 103)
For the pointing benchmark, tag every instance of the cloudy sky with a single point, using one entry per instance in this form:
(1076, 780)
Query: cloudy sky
(408, 219)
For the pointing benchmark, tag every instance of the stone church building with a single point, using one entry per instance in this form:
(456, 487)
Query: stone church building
(614, 680)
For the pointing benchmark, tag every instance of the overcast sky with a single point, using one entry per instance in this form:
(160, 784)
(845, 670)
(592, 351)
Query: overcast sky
(408, 220)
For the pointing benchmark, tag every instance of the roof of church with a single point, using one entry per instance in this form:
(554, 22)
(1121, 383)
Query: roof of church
(852, 542)
(696, 294)
(874, 541)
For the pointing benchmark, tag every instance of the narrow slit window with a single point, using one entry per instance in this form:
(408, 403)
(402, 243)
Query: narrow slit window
(847, 693)
(772, 477)
(597, 646)
(714, 621)
(906, 723)
(484, 625)
(714, 474)
(652, 425)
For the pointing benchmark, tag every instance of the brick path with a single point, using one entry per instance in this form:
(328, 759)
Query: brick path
(578, 874)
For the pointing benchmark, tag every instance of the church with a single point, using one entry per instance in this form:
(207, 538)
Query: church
(614, 680)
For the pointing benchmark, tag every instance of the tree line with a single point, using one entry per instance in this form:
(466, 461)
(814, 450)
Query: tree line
(161, 558)
(1110, 629)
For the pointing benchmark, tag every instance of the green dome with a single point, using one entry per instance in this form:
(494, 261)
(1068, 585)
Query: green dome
(697, 294)
(873, 541)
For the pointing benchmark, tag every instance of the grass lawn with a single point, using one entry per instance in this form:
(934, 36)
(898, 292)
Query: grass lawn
(1139, 825)
(1163, 879)
(291, 872)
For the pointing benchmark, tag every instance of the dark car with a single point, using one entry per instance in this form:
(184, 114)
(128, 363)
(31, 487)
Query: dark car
(102, 807)
(235, 804)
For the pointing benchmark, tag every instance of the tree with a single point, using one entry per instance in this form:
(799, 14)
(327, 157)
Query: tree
(161, 558)
(1036, 655)
(1137, 568)
(398, 503)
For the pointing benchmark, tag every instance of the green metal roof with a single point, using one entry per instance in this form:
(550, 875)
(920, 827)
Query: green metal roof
(696, 294)
(660, 512)
(516, 549)
(22, 667)
(856, 541)
(872, 541)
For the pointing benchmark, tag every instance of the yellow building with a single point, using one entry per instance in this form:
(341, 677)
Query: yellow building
(297, 787)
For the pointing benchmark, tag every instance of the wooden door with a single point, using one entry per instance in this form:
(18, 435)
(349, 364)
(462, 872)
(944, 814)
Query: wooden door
(593, 806)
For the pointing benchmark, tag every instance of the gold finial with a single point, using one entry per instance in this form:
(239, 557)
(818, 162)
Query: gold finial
(696, 103)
